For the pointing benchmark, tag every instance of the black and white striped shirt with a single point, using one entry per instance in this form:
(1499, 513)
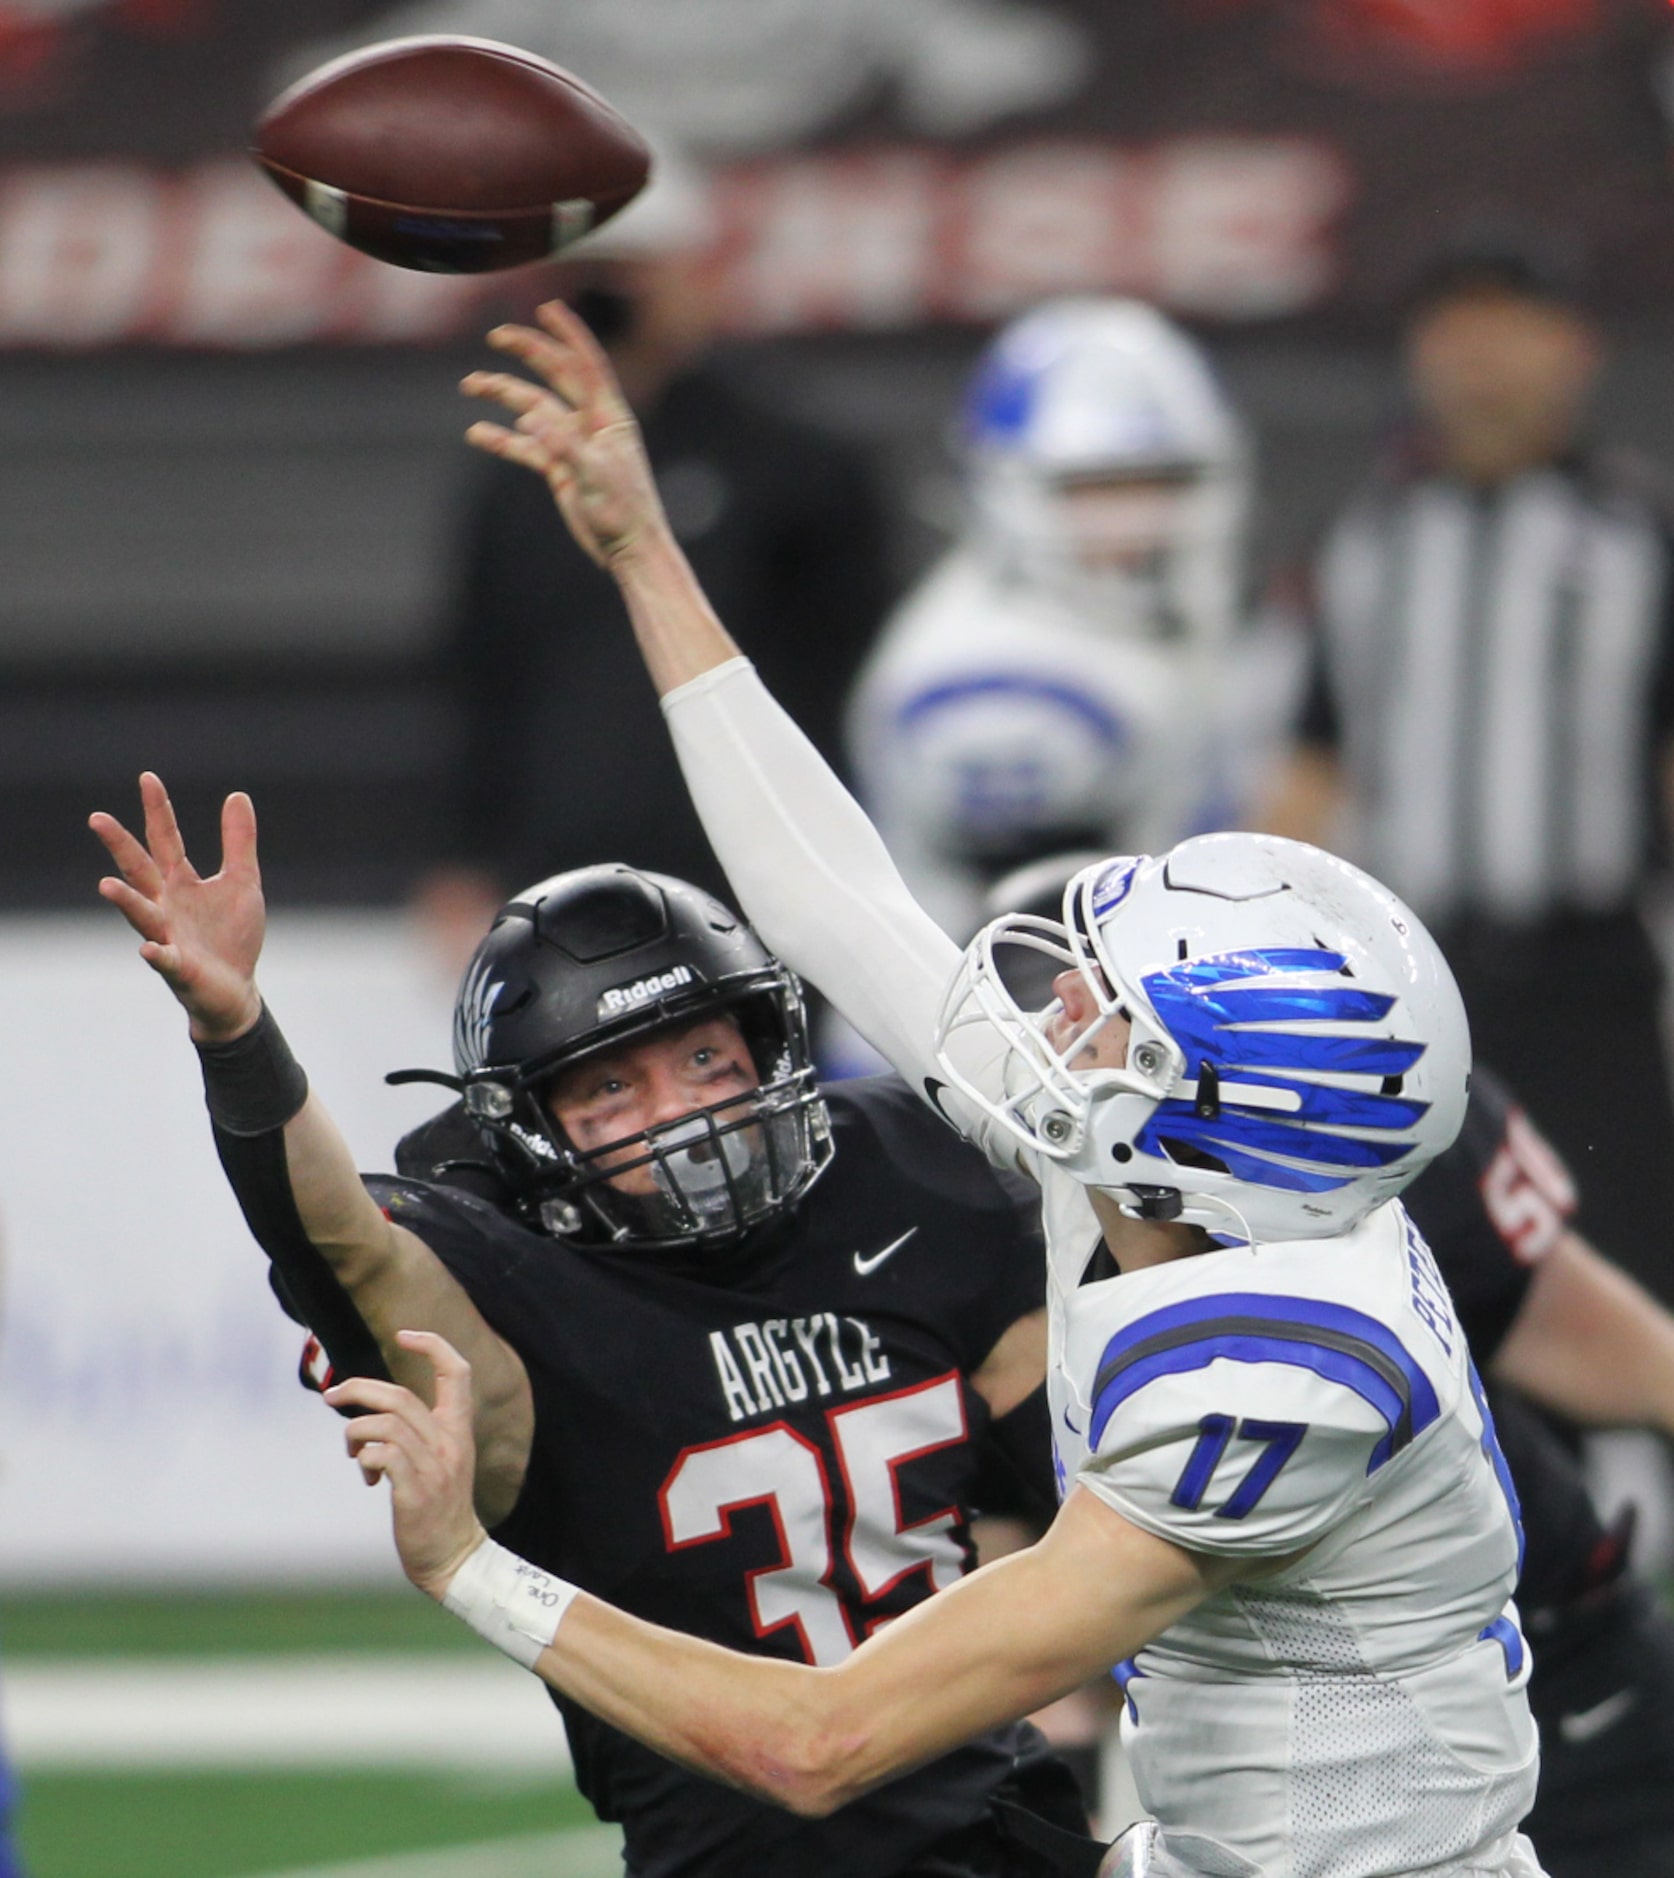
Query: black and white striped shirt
(1496, 668)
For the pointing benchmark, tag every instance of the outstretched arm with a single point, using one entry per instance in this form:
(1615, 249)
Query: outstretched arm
(1591, 1343)
(811, 871)
(294, 1177)
(994, 1647)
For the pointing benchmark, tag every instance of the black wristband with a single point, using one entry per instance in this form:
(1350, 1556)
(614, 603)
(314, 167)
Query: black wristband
(252, 1085)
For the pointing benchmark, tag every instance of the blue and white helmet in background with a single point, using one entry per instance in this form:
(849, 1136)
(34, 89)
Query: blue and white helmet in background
(1298, 1051)
(1070, 403)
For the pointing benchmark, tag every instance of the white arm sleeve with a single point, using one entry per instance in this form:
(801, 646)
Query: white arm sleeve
(811, 872)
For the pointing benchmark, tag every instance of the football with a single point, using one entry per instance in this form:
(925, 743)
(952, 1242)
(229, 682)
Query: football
(452, 155)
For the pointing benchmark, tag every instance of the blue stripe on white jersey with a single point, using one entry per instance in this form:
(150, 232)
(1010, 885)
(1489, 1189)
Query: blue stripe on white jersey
(1344, 1346)
(1510, 1639)
(1092, 711)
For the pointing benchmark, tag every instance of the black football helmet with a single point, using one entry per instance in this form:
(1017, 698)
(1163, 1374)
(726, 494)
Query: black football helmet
(586, 961)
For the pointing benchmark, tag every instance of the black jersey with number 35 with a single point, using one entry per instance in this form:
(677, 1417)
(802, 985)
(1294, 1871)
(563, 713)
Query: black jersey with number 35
(774, 1450)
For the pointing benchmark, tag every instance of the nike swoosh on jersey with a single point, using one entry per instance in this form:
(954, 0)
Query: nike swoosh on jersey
(1586, 1723)
(871, 1264)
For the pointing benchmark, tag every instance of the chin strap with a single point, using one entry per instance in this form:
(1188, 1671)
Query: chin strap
(1158, 1203)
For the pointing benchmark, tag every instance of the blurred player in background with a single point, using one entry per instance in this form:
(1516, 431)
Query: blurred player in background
(1280, 1470)
(746, 1355)
(1490, 721)
(560, 762)
(1069, 673)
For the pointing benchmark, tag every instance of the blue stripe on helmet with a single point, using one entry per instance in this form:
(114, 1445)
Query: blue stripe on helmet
(1260, 1132)
(1001, 400)
(1360, 1056)
(1207, 1005)
(1278, 1004)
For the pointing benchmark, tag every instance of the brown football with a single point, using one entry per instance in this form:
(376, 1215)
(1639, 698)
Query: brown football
(451, 155)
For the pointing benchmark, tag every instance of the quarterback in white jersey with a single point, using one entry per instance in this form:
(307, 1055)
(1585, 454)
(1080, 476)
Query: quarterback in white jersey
(1286, 1524)
(1349, 1713)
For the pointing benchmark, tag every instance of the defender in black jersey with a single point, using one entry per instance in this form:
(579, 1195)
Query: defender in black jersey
(778, 1449)
(746, 1357)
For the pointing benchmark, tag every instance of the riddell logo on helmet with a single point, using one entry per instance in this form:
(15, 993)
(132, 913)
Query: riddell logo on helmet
(620, 998)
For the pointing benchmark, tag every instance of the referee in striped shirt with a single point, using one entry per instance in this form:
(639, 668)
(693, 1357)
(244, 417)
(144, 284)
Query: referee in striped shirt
(1490, 718)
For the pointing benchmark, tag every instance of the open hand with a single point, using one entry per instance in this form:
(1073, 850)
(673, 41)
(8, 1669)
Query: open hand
(202, 937)
(428, 1455)
(578, 433)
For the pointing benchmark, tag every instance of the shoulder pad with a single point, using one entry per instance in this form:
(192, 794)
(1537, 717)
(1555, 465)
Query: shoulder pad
(458, 1226)
(1250, 1421)
(921, 1147)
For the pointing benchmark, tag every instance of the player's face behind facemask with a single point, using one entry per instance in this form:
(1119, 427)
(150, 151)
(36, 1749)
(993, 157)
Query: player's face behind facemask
(638, 1064)
(1108, 471)
(669, 1122)
(1124, 524)
(1296, 1049)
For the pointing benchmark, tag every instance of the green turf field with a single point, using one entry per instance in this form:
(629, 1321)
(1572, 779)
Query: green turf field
(76, 1624)
(291, 1821)
(239, 1825)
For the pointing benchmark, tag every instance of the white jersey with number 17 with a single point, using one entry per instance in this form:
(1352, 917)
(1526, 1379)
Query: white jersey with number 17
(1360, 1710)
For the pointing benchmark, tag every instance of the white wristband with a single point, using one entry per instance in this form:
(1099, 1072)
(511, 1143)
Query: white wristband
(514, 1605)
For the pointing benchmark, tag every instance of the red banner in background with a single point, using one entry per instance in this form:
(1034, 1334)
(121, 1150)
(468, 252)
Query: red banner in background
(101, 253)
(1234, 160)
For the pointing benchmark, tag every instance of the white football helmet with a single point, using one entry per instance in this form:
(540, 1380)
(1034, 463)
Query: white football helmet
(1298, 1050)
(1107, 466)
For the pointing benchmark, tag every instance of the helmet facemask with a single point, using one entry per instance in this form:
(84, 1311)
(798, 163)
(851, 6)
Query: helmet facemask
(1297, 1049)
(601, 959)
(1055, 1101)
(704, 1177)
(1143, 552)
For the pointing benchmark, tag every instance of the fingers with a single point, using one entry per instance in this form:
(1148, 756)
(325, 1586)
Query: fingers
(567, 357)
(516, 394)
(144, 865)
(585, 358)
(397, 1439)
(137, 867)
(377, 1397)
(238, 838)
(143, 914)
(381, 1456)
(452, 1372)
(377, 1431)
(162, 831)
(554, 359)
(514, 446)
(390, 1399)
